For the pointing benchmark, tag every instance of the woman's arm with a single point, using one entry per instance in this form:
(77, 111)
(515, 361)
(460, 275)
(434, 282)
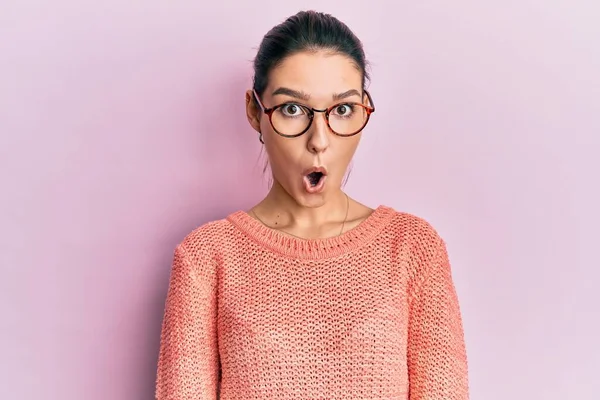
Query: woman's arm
(437, 359)
(188, 364)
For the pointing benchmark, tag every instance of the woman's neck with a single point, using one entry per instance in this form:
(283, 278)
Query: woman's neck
(279, 210)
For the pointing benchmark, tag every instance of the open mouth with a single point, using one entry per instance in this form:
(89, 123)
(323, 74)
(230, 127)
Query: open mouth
(314, 178)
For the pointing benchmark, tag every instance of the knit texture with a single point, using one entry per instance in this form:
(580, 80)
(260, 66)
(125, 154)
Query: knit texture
(254, 313)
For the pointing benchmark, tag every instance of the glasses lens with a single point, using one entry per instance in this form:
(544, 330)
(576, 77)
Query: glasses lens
(290, 119)
(347, 119)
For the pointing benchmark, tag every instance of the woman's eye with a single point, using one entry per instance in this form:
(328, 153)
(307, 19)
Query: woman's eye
(292, 110)
(343, 110)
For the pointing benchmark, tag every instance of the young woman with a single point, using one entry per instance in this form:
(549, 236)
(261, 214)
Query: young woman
(310, 294)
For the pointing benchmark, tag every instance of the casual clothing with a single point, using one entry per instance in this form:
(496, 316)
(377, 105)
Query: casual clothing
(254, 313)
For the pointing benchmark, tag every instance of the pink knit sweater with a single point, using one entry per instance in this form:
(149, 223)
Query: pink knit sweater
(254, 313)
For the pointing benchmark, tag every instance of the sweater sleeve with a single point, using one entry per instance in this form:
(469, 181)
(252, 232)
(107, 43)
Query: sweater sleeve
(437, 359)
(188, 361)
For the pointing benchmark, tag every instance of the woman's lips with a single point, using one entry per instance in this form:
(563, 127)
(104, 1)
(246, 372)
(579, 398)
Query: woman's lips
(310, 170)
(308, 182)
(316, 188)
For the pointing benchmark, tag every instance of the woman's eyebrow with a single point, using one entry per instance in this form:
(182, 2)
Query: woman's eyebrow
(292, 93)
(349, 93)
(305, 96)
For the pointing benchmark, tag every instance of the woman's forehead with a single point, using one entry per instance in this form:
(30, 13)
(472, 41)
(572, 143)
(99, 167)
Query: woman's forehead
(316, 74)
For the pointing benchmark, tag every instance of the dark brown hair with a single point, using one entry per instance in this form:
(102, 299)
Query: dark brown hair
(306, 31)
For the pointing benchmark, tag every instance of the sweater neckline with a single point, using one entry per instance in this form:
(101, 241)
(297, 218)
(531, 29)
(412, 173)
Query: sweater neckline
(296, 247)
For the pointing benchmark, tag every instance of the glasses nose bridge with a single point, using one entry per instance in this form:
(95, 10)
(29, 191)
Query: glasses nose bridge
(317, 110)
(314, 111)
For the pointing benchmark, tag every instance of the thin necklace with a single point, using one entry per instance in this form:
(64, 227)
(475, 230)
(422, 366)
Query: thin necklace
(299, 237)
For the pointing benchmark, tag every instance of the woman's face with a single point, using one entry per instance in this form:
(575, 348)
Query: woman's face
(318, 80)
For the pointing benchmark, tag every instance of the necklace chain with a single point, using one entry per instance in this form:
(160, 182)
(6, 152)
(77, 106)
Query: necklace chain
(341, 230)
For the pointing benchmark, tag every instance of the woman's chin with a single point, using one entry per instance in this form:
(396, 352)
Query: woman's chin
(312, 200)
(308, 198)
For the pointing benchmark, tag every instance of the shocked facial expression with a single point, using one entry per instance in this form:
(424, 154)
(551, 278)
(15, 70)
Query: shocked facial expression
(311, 115)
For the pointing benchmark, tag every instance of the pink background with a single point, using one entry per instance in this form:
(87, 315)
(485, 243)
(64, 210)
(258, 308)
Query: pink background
(122, 128)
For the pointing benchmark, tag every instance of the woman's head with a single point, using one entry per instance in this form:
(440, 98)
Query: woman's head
(309, 103)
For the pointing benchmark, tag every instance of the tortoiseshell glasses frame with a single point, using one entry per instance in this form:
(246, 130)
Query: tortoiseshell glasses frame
(311, 114)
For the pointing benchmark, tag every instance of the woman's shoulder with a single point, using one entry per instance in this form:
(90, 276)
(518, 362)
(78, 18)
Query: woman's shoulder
(207, 235)
(203, 244)
(412, 226)
(419, 240)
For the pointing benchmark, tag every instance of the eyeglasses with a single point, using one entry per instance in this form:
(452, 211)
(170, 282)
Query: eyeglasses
(291, 119)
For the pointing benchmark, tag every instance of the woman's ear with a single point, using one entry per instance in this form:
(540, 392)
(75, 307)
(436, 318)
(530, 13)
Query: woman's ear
(252, 111)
